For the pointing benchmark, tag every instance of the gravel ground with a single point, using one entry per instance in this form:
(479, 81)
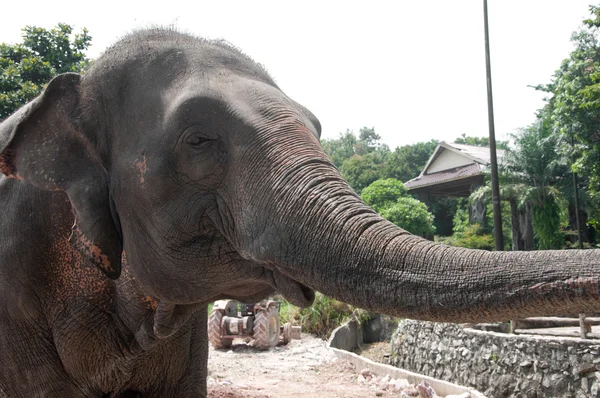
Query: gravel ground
(303, 368)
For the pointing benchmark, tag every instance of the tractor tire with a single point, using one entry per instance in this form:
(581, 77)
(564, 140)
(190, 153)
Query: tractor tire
(215, 330)
(266, 329)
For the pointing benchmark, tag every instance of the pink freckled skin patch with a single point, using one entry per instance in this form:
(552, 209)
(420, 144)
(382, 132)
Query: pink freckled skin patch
(150, 302)
(142, 168)
(6, 164)
(85, 246)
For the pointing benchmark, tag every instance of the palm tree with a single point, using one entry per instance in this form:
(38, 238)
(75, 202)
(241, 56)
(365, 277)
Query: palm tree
(531, 174)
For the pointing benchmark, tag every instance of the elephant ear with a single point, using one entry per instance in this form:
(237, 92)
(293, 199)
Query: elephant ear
(43, 144)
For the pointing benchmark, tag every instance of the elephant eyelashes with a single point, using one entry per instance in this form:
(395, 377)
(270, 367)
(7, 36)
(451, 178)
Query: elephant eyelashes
(197, 140)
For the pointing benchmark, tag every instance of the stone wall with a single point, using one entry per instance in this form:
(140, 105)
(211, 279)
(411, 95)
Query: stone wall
(498, 364)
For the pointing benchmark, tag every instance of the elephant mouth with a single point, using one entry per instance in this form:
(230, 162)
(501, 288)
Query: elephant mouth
(293, 291)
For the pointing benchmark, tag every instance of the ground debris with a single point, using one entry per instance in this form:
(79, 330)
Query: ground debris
(303, 368)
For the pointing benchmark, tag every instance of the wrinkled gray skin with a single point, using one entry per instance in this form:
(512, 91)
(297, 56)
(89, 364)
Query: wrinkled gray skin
(192, 177)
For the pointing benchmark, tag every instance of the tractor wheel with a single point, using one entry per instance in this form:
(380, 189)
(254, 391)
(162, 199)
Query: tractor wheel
(266, 328)
(215, 330)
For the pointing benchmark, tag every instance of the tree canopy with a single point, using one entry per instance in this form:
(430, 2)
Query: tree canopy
(573, 109)
(479, 141)
(383, 193)
(407, 161)
(26, 67)
(390, 198)
(363, 159)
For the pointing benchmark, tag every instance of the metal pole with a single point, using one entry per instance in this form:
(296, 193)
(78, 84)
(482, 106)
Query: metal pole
(498, 238)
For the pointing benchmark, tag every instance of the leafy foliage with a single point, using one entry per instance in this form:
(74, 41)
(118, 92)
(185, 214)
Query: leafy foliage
(340, 149)
(406, 162)
(534, 169)
(531, 173)
(383, 193)
(390, 198)
(360, 171)
(573, 109)
(364, 159)
(25, 68)
(321, 318)
(479, 141)
(411, 215)
(471, 237)
(444, 210)
(368, 141)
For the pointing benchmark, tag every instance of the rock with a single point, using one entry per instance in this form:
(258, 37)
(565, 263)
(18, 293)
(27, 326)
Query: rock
(366, 373)
(401, 384)
(586, 368)
(594, 389)
(584, 384)
(409, 392)
(425, 390)
(379, 394)
(463, 395)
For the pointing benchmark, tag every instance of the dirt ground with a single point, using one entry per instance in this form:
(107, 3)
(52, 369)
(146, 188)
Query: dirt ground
(303, 368)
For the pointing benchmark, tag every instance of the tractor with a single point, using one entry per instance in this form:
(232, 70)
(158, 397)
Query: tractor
(230, 319)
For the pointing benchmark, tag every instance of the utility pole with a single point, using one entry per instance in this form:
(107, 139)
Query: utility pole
(498, 238)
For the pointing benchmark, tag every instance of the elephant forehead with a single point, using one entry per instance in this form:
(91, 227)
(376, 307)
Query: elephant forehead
(253, 102)
(247, 98)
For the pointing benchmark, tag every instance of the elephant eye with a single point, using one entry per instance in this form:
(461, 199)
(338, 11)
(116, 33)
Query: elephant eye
(197, 140)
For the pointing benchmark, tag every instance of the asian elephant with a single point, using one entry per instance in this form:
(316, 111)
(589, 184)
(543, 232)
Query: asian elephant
(175, 172)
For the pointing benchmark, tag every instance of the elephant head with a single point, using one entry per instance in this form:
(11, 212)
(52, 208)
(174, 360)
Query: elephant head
(184, 156)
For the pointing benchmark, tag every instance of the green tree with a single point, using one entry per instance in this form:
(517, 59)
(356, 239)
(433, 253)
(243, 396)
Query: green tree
(406, 162)
(532, 173)
(383, 193)
(411, 215)
(360, 160)
(573, 109)
(360, 171)
(340, 149)
(479, 141)
(368, 141)
(390, 198)
(535, 163)
(26, 67)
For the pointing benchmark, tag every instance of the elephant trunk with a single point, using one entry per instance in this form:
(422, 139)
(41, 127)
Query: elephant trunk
(331, 241)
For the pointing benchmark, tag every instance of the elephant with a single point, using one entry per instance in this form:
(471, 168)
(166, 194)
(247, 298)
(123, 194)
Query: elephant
(175, 172)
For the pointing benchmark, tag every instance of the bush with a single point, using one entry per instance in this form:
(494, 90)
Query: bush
(320, 319)
(472, 237)
(383, 193)
(411, 215)
(389, 198)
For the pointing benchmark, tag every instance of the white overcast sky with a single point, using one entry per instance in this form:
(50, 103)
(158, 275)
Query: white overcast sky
(414, 70)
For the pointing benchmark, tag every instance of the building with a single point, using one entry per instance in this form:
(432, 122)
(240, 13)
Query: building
(453, 170)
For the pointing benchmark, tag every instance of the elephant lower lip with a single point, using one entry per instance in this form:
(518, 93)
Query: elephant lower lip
(295, 292)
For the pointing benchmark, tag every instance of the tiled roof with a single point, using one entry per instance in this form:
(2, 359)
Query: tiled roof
(445, 176)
